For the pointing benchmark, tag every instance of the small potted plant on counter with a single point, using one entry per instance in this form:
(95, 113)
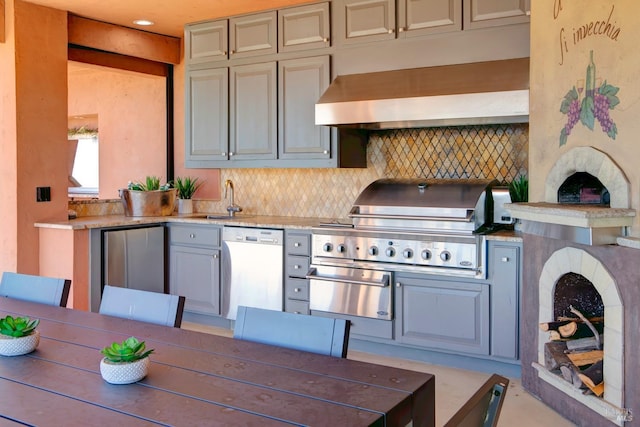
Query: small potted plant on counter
(18, 335)
(148, 198)
(186, 187)
(126, 362)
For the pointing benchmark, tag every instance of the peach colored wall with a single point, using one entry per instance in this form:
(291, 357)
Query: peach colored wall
(8, 176)
(559, 60)
(55, 244)
(36, 128)
(132, 122)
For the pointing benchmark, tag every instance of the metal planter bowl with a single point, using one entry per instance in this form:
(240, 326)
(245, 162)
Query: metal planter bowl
(148, 203)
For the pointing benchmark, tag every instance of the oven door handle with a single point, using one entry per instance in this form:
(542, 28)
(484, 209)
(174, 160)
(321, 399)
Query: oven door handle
(312, 274)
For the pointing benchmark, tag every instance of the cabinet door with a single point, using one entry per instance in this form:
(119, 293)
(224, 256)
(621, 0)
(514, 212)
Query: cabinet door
(444, 315)
(366, 20)
(304, 27)
(422, 17)
(253, 35)
(301, 83)
(195, 274)
(207, 112)
(505, 297)
(206, 42)
(253, 112)
(490, 13)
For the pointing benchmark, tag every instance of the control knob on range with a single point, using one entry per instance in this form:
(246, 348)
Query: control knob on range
(373, 250)
(341, 248)
(327, 247)
(390, 252)
(445, 255)
(426, 254)
(407, 253)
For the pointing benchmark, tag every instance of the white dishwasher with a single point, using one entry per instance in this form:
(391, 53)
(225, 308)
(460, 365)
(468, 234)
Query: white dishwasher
(252, 269)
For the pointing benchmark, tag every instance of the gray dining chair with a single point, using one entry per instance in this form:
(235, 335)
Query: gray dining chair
(45, 290)
(146, 306)
(315, 334)
(483, 408)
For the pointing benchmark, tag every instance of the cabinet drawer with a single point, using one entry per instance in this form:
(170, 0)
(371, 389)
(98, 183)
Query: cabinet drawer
(297, 307)
(192, 235)
(297, 289)
(297, 266)
(298, 244)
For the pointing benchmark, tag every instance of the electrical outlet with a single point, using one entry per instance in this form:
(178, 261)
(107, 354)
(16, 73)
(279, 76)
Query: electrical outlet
(43, 194)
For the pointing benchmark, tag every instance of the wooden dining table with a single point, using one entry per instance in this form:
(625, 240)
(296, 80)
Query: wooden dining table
(196, 379)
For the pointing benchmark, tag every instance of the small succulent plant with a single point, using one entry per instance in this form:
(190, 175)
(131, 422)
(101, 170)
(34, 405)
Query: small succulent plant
(129, 350)
(186, 186)
(152, 183)
(17, 326)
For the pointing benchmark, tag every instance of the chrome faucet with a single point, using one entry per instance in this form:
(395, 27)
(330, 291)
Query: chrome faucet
(232, 208)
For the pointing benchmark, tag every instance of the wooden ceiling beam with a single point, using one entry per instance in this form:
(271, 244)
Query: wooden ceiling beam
(114, 60)
(2, 12)
(122, 40)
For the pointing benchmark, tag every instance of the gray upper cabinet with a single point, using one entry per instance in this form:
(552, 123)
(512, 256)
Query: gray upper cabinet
(304, 27)
(253, 106)
(206, 42)
(207, 111)
(253, 35)
(489, 13)
(423, 17)
(365, 20)
(301, 82)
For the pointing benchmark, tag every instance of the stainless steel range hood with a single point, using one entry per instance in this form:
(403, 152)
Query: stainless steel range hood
(464, 94)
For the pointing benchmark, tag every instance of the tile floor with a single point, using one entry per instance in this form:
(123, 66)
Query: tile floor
(454, 387)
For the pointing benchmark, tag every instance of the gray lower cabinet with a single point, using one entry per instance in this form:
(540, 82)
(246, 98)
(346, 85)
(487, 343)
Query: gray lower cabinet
(194, 267)
(440, 313)
(504, 274)
(297, 260)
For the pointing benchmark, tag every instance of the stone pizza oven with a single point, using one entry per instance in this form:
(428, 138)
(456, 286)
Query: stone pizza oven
(584, 241)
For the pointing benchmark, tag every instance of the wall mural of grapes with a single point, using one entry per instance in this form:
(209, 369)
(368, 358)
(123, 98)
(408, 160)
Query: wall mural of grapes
(598, 99)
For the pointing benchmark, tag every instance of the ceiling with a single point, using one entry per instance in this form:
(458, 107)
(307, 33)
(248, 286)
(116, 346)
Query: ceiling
(169, 16)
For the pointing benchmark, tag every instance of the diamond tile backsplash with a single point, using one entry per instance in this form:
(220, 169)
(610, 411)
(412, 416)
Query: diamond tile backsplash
(499, 152)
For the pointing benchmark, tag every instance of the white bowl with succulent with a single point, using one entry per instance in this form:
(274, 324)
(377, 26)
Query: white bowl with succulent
(18, 335)
(126, 362)
(186, 187)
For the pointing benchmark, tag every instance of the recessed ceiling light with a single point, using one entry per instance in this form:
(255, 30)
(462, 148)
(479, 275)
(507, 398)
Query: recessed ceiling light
(144, 22)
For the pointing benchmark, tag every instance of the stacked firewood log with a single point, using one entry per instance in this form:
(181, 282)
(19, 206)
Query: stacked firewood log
(575, 349)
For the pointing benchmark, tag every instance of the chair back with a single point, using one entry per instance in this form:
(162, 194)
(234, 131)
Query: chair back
(146, 306)
(483, 408)
(321, 335)
(45, 290)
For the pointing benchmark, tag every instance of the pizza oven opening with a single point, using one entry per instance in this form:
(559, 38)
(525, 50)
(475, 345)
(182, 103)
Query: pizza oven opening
(583, 188)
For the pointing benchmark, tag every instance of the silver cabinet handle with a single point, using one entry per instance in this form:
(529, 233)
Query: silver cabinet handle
(401, 29)
(223, 154)
(215, 256)
(390, 31)
(504, 259)
(230, 153)
(296, 267)
(192, 235)
(296, 245)
(398, 284)
(326, 39)
(325, 152)
(296, 289)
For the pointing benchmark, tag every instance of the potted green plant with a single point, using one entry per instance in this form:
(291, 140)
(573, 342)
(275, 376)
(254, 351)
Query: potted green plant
(519, 189)
(18, 335)
(148, 198)
(186, 187)
(125, 362)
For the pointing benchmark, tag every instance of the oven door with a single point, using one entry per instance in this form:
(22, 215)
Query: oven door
(350, 291)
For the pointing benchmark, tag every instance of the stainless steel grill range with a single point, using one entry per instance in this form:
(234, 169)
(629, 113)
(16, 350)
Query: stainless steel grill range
(424, 226)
